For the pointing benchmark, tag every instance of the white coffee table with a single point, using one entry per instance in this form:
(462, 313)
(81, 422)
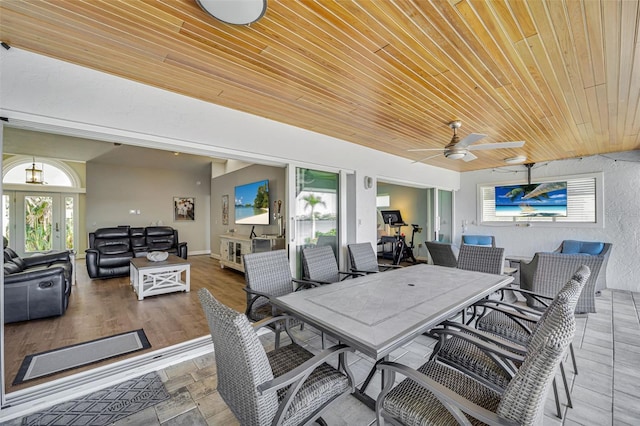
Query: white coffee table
(151, 278)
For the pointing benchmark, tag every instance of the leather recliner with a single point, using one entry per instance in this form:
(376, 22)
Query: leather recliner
(110, 252)
(37, 286)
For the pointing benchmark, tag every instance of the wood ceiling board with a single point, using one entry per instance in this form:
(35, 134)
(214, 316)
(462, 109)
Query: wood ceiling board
(387, 75)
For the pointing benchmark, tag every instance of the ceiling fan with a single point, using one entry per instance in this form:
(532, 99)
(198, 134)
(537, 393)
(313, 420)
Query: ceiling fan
(459, 148)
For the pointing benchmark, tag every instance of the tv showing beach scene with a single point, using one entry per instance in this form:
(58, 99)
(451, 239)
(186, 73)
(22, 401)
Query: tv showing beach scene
(548, 199)
(252, 203)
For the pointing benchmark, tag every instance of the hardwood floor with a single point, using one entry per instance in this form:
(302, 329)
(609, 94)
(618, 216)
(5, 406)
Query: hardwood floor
(101, 308)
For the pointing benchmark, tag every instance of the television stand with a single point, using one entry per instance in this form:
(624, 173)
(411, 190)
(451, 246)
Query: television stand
(233, 247)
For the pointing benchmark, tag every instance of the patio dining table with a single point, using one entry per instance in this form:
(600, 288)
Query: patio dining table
(377, 313)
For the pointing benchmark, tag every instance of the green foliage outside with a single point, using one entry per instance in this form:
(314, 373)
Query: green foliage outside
(38, 227)
(262, 198)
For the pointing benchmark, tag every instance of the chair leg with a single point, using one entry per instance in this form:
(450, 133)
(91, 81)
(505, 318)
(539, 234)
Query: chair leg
(566, 385)
(555, 394)
(321, 421)
(573, 359)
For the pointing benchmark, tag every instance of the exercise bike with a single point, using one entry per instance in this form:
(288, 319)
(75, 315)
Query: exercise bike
(404, 252)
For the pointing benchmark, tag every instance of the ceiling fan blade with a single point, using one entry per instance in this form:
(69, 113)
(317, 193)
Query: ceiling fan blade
(498, 145)
(424, 159)
(424, 149)
(469, 157)
(469, 139)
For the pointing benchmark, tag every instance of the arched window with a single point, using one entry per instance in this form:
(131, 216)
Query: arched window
(55, 173)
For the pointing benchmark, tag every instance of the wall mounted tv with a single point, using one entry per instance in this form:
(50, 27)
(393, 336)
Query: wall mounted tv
(252, 203)
(547, 199)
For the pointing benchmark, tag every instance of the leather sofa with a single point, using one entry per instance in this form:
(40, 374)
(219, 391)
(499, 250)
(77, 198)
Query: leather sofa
(111, 249)
(37, 286)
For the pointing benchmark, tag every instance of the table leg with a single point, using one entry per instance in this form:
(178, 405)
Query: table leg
(360, 392)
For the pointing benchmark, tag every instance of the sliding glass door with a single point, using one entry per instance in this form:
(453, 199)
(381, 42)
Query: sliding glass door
(314, 212)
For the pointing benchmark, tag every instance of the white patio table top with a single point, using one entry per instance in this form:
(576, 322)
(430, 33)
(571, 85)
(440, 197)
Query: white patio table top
(377, 313)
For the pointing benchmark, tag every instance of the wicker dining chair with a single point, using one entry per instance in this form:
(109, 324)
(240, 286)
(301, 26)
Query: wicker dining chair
(363, 259)
(319, 265)
(268, 274)
(439, 394)
(481, 259)
(475, 353)
(286, 386)
(442, 254)
(547, 273)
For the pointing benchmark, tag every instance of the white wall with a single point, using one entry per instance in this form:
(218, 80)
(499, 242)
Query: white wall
(55, 96)
(621, 215)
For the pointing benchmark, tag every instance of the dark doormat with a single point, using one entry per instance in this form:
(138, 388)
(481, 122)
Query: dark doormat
(105, 406)
(74, 356)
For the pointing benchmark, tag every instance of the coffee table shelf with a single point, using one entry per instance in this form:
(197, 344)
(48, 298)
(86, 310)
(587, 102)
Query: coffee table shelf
(152, 278)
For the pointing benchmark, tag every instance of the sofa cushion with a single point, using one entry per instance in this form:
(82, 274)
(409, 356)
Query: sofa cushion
(118, 232)
(582, 247)
(115, 246)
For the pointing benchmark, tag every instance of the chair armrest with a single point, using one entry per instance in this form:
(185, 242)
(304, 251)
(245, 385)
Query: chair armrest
(363, 272)
(42, 259)
(453, 402)
(267, 321)
(350, 274)
(485, 345)
(386, 266)
(491, 304)
(301, 372)
(35, 274)
(488, 337)
(304, 284)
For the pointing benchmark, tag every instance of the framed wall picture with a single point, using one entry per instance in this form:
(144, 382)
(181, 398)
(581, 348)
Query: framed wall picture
(225, 209)
(184, 208)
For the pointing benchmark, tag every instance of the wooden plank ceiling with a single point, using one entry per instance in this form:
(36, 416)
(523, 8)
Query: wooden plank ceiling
(562, 75)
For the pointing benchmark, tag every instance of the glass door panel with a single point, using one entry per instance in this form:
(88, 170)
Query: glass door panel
(445, 215)
(315, 214)
(38, 223)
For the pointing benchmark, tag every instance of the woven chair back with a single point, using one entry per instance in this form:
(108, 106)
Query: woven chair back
(362, 257)
(481, 259)
(524, 398)
(442, 254)
(320, 264)
(268, 272)
(241, 363)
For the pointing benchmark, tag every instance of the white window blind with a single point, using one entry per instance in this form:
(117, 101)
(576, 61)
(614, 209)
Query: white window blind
(581, 204)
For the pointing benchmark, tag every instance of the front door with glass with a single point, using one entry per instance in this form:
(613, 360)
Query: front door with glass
(38, 222)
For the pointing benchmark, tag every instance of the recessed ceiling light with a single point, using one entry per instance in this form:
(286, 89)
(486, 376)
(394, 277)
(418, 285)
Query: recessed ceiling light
(176, 153)
(515, 160)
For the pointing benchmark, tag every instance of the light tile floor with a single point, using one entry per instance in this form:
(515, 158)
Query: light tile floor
(605, 392)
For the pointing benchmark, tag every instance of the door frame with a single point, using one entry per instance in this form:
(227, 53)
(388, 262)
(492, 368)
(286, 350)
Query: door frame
(290, 212)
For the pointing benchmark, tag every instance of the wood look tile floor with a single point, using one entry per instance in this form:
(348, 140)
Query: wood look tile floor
(605, 392)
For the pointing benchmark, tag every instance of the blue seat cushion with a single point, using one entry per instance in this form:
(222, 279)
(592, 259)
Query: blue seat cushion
(477, 240)
(583, 247)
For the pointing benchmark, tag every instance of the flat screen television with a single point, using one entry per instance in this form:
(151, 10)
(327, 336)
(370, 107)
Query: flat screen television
(547, 199)
(252, 203)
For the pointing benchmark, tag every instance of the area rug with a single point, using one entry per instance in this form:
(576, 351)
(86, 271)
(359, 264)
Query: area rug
(74, 356)
(105, 406)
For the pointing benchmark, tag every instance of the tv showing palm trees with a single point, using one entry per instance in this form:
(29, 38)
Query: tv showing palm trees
(252, 203)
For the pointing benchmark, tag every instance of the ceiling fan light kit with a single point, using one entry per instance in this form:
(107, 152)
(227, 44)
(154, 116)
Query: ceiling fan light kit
(458, 149)
(236, 12)
(516, 160)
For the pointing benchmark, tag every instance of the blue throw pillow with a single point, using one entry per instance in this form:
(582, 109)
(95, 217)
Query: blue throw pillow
(592, 248)
(477, 240)
(585, 247)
